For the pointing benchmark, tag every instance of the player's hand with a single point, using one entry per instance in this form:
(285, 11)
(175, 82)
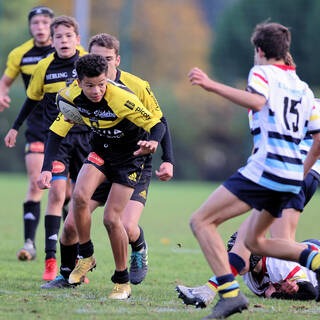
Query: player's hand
(4, 102)
(10, 138)
(271, 289)
(289, 287)
(146, 147)
(165, 172)
(44, 180)
(68, 120)
(198, 77)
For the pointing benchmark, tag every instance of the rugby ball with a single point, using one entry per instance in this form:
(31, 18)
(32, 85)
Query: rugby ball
(69, 111)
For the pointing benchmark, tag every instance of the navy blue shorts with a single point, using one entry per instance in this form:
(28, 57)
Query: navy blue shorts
(256, 196)
(309, 187)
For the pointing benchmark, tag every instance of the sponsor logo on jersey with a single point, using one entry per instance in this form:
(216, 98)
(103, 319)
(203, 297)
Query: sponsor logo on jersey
(104, 114)
(143, 112)
(84, 111)
(129, 105)
(94, 158)
(58, 75)
(31, 60)
(133, 177)
(57, 167)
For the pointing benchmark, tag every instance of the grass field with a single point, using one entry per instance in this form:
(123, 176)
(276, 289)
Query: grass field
(174, 257)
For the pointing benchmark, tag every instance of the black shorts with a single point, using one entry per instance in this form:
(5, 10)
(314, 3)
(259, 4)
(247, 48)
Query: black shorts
(119, 167)
(73, 150)
(140, 192)
(309, 187)
(256, 196)
(36, 131)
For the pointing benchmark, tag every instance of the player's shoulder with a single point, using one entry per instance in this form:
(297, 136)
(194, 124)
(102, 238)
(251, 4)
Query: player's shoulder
(124, 75)
(82, 50)
(22, 48)
(45, 62)
(70, 93)
(119, 88)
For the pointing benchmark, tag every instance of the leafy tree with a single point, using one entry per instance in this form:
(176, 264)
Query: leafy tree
(232, 52)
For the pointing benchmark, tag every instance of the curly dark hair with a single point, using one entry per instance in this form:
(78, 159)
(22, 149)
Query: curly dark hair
(91, 65)
(273, 39)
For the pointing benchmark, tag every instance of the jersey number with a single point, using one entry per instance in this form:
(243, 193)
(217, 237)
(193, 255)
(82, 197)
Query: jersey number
(290, 106)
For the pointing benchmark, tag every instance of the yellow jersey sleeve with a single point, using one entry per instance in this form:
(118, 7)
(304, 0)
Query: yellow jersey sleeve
(127, 105)
(60, 126)
(13, 64)
(143, 91)
(35, 89)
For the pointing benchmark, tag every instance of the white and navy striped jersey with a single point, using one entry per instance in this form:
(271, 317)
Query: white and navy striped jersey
(278, 128)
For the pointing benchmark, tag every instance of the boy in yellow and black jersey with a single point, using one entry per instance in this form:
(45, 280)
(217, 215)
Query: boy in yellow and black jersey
(23, 60)
(124, 132)
(51, 75)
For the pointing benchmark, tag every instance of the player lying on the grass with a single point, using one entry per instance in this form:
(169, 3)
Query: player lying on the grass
(117, 157)
(23, 59)
(108, 46)
(285, 112)
(266, 277)
(51, 75)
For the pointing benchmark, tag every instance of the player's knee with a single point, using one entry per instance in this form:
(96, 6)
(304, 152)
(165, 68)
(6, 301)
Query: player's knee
(33, 187)
(79, 199)
(194, 223)
(130, 228)
(253, 244)
(111, 222)
(69, 232)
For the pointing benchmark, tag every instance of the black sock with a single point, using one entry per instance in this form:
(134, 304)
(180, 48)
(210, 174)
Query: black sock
(31, 217)
(68, 258)
(52, 226)
(120, 276)
(86, 249)
(139, 243)
(65, 208)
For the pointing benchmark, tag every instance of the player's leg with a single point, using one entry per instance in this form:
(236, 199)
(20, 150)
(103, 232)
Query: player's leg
(65, 207)
(118, 199)
(130, 218)
(31, 207)
(56, 197)
(88, 180)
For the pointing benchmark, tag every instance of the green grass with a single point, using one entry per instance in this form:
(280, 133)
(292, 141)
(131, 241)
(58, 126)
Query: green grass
(174, 257)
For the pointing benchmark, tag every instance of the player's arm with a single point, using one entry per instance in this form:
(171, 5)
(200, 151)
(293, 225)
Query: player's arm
(10, 74)
(306, 291)
(27, 108)
(254, 101)
(5, 84)
(165, 172)
(58, 130)
(35, 94)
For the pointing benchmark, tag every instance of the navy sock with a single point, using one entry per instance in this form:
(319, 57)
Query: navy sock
(236, 263)
(120, 276)
(52, 226)
(69, 256)
(139, 243)
(86, 249)
(31, 217)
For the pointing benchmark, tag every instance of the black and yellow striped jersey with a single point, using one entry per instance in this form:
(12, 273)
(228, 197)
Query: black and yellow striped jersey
(51, 75)
(24, 58)
(119, 120)
(141, 89)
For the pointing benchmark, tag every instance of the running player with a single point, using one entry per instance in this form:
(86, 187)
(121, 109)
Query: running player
(285, 111)
(114, 157)
(108, 46)
(52, 74)
(24, 59)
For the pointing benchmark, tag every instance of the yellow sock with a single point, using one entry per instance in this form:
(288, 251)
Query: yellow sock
(315, 263)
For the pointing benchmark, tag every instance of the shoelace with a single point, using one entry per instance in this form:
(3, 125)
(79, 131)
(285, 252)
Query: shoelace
(137, 259)
(82, 265)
